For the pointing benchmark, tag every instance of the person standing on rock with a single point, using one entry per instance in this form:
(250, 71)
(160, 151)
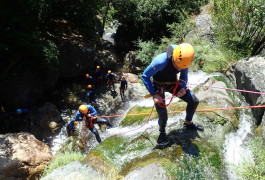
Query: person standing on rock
(98, 75)
(123, 86)
(110, 77)
(88, 114)
(164, 70)
(91, 93)
(89, 80)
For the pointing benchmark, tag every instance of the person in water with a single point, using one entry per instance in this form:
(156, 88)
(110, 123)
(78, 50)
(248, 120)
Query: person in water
(164, 70)
(88, 114)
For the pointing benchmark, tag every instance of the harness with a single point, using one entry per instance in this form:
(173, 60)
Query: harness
(89, 122)
(161, 90)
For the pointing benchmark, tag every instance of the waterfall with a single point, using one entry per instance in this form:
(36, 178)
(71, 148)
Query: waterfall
(67, 114)
(235, 148)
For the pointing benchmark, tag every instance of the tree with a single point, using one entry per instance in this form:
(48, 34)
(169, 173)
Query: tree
(240, 25)
(147, 19)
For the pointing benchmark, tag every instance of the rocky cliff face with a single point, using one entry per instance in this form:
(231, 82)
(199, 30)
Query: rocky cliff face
(248, 74)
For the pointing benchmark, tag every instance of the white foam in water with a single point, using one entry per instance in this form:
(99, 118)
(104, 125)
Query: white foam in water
(194, 77)
(235, 149)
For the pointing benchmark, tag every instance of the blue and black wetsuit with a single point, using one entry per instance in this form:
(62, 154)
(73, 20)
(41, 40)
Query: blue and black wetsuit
(110, 77)
(89, 122)
(91, 95)
(164, 78)
(90, 80)
(98, 75)
(123, 87)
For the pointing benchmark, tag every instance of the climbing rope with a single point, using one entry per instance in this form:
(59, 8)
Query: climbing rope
(172, 112)
(139, 126)
(163, 105)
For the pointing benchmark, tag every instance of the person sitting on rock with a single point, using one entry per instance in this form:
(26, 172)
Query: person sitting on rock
(88, 114)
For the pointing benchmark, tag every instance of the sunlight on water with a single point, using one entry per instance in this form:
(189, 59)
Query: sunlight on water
(58, 140)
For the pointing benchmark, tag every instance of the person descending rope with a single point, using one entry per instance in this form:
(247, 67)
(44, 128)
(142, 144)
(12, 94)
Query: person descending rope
(88, 114)
(110, 77)
(89, 80)
(91, 93)
(164, 69)
(123, 86)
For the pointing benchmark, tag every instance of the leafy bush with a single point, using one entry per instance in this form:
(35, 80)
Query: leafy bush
(147, 19)
(62, 159)
(146, 51)
(240, 25)
(254, 169)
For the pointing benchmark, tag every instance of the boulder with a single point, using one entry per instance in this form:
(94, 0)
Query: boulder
(45, 121)
(248, 74)
(22, 156)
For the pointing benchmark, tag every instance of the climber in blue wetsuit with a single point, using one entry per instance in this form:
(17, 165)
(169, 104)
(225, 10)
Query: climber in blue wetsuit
(88, 114)
(91, 93)
(164, 70)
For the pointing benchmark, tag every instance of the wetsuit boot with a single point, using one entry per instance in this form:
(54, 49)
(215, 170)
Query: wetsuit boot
(194, 126)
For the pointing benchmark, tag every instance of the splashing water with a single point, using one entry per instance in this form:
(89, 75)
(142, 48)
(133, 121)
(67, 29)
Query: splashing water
(235, 147)
(58, 140)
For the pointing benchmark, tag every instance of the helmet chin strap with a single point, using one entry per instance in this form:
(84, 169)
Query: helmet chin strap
(175, 66)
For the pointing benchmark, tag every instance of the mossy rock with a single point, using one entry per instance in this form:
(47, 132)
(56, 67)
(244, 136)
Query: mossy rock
(138, 114)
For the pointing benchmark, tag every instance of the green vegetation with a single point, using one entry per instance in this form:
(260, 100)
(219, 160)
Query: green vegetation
(144, 113)
(240, 25)
(254, 169)
(147, 19)
(32, 30)
(62, 159)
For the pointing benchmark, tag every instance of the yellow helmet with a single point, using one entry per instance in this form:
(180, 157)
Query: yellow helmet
(83, 109)
(109, 71)
(87, 75)
(183, 55)
(98, 67)
(75, 122)
(89, 86)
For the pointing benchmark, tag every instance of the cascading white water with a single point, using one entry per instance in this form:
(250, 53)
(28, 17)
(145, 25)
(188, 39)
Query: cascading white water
(57, 141)
(235, 148)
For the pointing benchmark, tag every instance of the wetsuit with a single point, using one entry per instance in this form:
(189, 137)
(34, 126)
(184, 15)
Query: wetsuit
(123, 87)
(164, 80)
(110, 77)
(89, 80)
(98, 75)
(89, 122)
(91, 95)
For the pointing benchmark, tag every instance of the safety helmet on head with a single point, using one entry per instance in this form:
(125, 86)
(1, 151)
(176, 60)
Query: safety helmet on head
(75, 122)
(19, 111)
(87, 75)
(98, 67)
(109, 71)
(89, 86)
(183, 55)
(83, 109)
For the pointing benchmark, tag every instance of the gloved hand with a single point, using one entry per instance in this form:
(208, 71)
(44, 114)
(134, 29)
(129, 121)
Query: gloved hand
(157, 99)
